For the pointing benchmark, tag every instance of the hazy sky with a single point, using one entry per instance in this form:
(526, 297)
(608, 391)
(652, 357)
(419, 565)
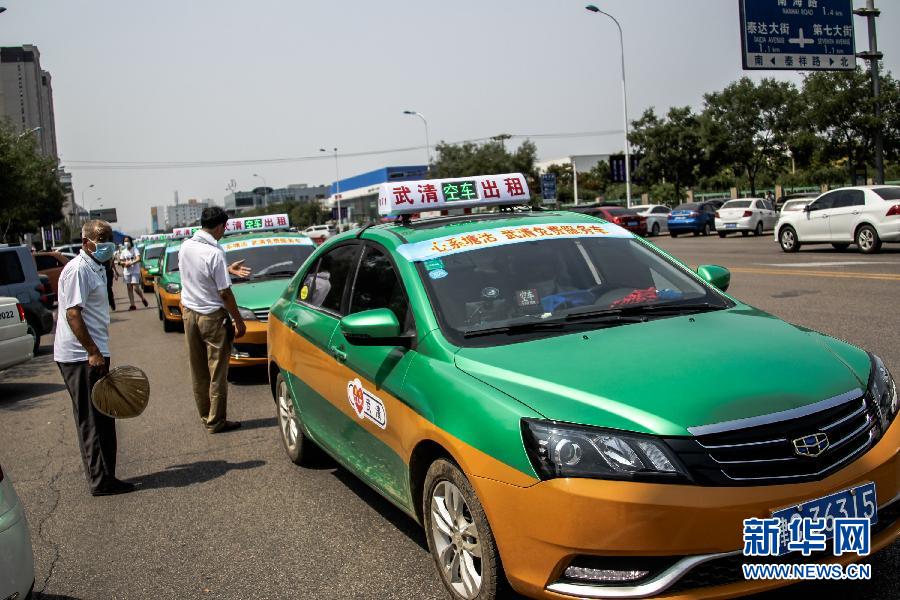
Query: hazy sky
(217, 80)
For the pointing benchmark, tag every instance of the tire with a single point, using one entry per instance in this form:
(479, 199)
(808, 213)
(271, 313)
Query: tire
(759, 229)
(841, 246)
(169, 326)
(722, 234)
(654, 231)
(159, 309)
(449, 538)
(706, 229)
(787, 238)
(867, 239)
(296, 444)
(37, 339)
(673, 234)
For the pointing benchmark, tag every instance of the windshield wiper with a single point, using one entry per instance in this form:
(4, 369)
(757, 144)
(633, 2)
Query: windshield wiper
(605, 320)
(667, 308)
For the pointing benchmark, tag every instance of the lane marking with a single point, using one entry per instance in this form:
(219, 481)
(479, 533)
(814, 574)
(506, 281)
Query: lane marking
(847, 263)
(831, 274)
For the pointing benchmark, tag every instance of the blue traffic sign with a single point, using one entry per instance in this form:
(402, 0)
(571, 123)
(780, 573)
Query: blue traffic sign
(548, 187)
(798, 35)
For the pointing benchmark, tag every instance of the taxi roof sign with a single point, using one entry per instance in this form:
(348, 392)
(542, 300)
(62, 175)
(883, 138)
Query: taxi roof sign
(406, 197)
(154, 237)
(243, 225)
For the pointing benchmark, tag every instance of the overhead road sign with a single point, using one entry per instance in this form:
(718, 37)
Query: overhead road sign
(104, 214)
(408, 197)
(797, 35)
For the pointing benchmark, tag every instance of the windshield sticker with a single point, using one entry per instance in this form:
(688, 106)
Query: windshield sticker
(366, 405)
(434, 263)
(268, 241)
(437, 273)
(527, 298)
(453, 244)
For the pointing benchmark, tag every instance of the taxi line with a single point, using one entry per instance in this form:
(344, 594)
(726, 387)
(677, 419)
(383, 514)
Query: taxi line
(832, 274)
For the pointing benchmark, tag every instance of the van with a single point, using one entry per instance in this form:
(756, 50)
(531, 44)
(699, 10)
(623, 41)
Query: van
(19, 279)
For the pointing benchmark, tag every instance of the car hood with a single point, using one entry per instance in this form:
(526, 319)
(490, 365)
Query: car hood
(669, 374)
(261, 294)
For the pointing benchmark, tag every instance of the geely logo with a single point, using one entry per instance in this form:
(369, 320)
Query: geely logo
(811, 445)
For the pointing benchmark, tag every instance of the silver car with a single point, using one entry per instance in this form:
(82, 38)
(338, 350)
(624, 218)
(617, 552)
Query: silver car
(16, 559)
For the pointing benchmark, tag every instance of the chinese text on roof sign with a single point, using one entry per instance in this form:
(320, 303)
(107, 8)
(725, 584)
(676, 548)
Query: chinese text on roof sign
(241, 224)
(154, 237)
(404, 197)
(800, 35)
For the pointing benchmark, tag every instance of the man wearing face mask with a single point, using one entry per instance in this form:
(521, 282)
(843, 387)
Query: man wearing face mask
(81, 350)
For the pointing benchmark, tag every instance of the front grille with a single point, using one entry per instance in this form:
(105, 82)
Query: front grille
(261, 315)
(765, 454)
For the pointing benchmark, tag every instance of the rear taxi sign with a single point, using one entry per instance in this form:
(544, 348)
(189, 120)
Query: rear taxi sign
(242, 224)
(405, 197)
(154, 237)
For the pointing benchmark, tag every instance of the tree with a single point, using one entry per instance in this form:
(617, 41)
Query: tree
(672, 149)
(750, 126)
(30, 193)
(488, 158)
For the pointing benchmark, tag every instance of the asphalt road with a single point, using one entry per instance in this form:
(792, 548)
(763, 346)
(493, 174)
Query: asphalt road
(228, 516)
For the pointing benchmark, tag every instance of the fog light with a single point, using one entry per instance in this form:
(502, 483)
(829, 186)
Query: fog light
(606, 575)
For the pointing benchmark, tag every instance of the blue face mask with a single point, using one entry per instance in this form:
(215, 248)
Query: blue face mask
(103, 251)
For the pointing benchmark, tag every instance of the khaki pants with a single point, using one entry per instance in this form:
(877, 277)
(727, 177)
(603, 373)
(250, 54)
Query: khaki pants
(209, 349)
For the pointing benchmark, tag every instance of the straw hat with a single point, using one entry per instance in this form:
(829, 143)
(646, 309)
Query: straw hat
(122, 393)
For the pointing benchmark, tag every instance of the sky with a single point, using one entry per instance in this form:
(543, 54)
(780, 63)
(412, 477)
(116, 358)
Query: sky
(222, 80)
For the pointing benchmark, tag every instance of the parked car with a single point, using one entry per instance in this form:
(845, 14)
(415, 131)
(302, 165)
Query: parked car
(623, 217)
(17, 565)
(693, 217)
(19, 278)
(319, 233)
(745, 215)
(16, 344)
(51, 264)
(657, 217)
(794, 205)
(863, 215)
(810, 196)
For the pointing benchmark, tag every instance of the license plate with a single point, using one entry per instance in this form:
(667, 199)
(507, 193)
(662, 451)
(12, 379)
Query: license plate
(730, 225)
(632, 223)
(857, 502)
(6, 314)
(679, 218)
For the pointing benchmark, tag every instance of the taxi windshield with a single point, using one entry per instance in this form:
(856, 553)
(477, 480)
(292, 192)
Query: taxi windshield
(270, 261)
(509, 293)
(153, 252)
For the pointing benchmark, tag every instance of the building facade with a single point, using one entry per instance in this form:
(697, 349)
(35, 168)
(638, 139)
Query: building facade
(182, 215)
(26, 96)
(261, 197)
(358, 195)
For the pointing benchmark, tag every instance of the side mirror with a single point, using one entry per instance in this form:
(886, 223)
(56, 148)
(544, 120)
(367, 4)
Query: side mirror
(376, 327)
(717, 276)
(806, 208)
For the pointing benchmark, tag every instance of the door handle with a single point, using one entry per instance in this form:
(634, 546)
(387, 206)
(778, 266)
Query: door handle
(338, 353)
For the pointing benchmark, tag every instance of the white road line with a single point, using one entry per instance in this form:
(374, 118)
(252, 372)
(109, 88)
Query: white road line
(846, 263)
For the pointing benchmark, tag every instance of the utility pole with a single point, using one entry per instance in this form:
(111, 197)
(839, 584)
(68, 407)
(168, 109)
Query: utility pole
(873, 56)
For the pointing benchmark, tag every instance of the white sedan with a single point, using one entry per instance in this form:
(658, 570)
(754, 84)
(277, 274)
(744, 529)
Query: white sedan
(745, 215)
(865, 215)
(657, 217)
(16, 344)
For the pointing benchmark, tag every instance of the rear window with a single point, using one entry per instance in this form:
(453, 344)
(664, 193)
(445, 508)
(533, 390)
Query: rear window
(888, 193)
(737, 204)
(10, 268)
(687, 206)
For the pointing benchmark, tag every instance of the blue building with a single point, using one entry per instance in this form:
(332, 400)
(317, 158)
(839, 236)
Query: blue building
(358, 195)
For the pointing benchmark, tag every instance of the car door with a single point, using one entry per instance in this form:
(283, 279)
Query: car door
(813, 225)
(316, 377)
(373, 377)
(767, 213)
(708, 211)
(661, 214)
(845, 213)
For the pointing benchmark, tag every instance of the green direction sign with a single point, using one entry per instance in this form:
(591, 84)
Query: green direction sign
(459, 190)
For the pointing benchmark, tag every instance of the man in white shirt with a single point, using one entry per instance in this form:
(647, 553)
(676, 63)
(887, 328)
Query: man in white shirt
(81, 350)
(207, 302)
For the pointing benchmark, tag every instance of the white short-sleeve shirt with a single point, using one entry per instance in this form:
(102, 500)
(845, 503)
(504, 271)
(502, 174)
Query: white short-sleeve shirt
(126, 254)
(204, 273)
(82, 282)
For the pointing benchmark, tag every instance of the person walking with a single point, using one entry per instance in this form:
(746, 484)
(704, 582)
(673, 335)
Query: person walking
(130, 259)
(81, 351)
(211, 317)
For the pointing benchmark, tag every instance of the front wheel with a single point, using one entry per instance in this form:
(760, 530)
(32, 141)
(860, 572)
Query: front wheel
(37, 339)
(459, 536)
(169, 326)
(788, 240)
(706, 229)
(296, 445)
(654, 231)
(673, 234)
(867, 239)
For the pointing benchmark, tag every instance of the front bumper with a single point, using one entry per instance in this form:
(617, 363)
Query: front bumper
(170, 304)
(250, 349)
(146, 279)
(541, 529)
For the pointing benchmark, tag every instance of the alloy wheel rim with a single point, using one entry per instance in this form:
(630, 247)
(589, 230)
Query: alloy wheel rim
(456, 540)
(866, 239)
(288, 419)
(787, 239)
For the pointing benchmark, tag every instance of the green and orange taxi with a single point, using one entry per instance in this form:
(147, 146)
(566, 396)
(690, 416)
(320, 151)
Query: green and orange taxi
(273, 254)
(486, 374)
(151, 251)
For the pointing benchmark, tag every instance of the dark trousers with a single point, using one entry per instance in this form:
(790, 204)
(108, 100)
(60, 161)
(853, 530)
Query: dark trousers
(96, 431)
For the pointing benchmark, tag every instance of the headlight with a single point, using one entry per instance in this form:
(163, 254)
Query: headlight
(883, 391)
(173, 288)
(246, 314)
(564, 450)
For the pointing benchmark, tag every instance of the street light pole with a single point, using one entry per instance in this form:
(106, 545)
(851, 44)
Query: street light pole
(873, 56)
(593, 8)
(427, 144)
(83, 206)
(265, 189)
(337, 187)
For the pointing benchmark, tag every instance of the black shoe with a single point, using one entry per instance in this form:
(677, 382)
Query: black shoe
(113, 488)
(227, 426)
